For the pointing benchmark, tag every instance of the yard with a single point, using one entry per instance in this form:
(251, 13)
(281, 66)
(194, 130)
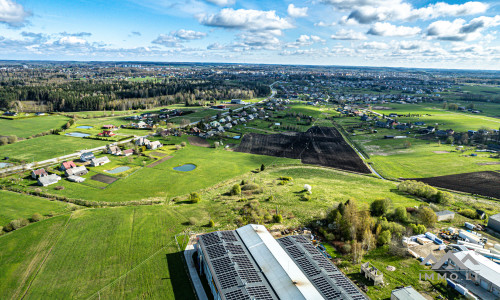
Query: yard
(31, 126)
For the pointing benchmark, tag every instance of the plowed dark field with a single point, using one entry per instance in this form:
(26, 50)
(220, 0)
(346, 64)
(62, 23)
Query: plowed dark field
(481, 183)
(322, 146)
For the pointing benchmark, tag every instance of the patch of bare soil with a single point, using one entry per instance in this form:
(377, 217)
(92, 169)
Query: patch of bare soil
(198, 141)
(104, 178)
(159, 162)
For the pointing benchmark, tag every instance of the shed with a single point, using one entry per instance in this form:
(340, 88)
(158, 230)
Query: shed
(494, 222)
(48, 180)
(445, 215)
(74, 178)
(406, 293)
(77, 171)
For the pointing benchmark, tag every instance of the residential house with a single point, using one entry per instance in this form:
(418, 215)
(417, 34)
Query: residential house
(220, 129)
(154, 145)
(77, 179)
(48, 180)
(99, 161)
(229, 119)
(35, 174)
(87, 156)
(67, 165)
(109, 127)
(365, 118)
(237, 101)
(77, 171)
(228, 126)
(107, 133)
(142, 141)
(115, 150)
(128, 152)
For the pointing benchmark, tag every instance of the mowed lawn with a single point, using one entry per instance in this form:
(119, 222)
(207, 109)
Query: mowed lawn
(48, 146)
(15, 206)
(31, 126)
(111, 253)
(161, 181)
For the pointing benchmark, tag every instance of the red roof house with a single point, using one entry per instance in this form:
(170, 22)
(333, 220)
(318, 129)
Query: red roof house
(35, 174)
(67, 165)
(106, 133)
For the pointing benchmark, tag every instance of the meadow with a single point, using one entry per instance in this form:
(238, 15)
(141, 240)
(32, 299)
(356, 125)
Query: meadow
(15, 206)
(161, 181)
(31, 126)
(46, 147)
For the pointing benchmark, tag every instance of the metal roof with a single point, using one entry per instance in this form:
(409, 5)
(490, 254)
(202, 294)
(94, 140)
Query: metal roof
(495, 217)
(407, 293)
(248, 263)
(327, 279)
(486, 268)
(444, 212)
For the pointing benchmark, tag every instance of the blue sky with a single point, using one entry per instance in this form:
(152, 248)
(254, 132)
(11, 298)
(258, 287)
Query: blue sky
(406, 33)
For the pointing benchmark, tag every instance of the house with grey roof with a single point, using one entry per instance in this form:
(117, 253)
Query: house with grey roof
(99, 161)
(48, 180)
(406, 293)
(76, 171)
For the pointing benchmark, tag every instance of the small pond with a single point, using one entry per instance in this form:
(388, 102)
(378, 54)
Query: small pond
(185, 168)
(236, 137)
(85, 127)
(4, 165)
(118, 170)
(77, 134)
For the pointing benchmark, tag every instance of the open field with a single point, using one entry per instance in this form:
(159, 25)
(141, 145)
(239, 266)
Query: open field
(48, 146)
(162, 181)
(433, 114)
(319, 145)
(14, 206)
(481, 183)
(31, 126)
(127, 252)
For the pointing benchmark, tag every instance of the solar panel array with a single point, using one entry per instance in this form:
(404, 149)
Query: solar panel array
(328, 280)
(235, 272)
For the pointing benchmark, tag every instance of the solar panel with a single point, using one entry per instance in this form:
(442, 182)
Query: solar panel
(250, 275)
(235, 249)
(210, 238)
(228, 236)
(294, 251)
(216, 251)
(300, 239)
(326, 288)
(236, 295)
(242, 261)
(228, 280)
(286, 241)
(260, 292)
(223, 265)
(307, 267)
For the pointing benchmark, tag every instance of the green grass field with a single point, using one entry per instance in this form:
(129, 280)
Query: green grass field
(115, 253)
(162, 181)
(14, 206)
(48, 146)
(31, 126)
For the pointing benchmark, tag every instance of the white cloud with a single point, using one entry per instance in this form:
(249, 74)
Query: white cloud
(184, 34)
(387, 29)
(305, 40)
(297, 12)
(71, 40)
(247, 19)
(375, 45)
(12, 13)
(370, 11)
(221, 2)
(215, 46)
(344, 34)
(458, 30)
(167, 40)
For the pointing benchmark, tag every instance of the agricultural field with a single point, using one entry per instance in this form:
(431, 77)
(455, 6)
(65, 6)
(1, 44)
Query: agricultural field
(30, 126)
(48, 146)
(433, 114)
(15, 206)
(126, 252)
(319, 145)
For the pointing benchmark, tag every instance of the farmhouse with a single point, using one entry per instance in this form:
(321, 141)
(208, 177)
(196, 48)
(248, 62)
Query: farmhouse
(48, 180)
(67, 165)
(87, 156)
(107, 133)
(99, 161)
(114, 150)
(406, 293)
(128, 152)
(445, 215)
(494, 222)
(154, 145)
(109, 127)
(237, 101)
(35, 174)
(76, 171)
(142, 141)
(248, 263)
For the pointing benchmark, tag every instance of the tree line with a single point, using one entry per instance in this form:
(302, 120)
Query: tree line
(89, 95)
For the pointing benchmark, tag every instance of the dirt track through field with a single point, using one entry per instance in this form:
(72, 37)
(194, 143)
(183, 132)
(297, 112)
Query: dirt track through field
(159, 162)
(322, 146)
(198, 141)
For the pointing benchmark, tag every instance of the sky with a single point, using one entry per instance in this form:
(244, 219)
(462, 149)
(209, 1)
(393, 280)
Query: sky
(391, 33)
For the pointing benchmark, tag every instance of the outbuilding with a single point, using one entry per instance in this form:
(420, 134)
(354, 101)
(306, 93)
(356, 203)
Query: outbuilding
(445, 215)
(494, 222)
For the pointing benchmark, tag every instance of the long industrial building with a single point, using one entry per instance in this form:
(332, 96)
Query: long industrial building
(248, 263)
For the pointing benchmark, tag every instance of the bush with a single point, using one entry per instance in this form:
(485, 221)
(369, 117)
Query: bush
(36, 217)
(194, 197)
(380, 207)
(400, 214)
(3, 141)
(427, 216)
(183, 144)
(278, 218)
(468, 213)
(211, 223)
(192, 221)
(384, 238)
(270, 198)
(305, 197)
(12, 139)
(418, 229)
(285, 178)
(16, 224)
(262, 167)
(235, 190)
(250, 186)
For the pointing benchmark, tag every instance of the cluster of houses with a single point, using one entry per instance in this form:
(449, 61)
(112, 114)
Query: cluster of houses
(218, 127)
(108, 130)
(149, 120)
(151, 145)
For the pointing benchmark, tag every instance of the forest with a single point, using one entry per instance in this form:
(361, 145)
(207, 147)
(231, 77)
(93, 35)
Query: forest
(88, 95)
